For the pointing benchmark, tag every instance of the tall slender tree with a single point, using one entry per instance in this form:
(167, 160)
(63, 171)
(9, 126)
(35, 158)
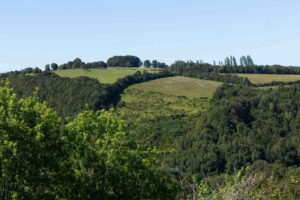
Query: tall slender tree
(227, 61)
(234, 61)
(244, 61)
(249, 60)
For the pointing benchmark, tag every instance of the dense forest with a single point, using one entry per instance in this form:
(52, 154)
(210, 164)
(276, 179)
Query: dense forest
(78, 94)
(244, 125)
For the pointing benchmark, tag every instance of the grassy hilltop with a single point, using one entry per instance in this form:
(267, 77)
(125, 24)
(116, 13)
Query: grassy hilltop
(109, 75)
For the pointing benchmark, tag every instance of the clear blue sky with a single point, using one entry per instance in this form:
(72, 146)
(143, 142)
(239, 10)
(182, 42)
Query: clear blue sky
(37, 32)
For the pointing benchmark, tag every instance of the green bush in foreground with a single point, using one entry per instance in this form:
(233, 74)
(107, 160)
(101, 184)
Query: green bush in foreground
(40, 158)
(261, 181)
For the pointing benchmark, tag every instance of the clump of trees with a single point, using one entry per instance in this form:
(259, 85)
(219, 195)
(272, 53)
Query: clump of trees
(28, 70)
(41, 158)
(95, 65)
(124, 61)
(231, 61)
(258, 181)
(79, 64)
(155, 64)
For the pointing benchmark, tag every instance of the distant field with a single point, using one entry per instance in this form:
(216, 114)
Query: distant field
(265, 78)
(109, 75)
(180, 86)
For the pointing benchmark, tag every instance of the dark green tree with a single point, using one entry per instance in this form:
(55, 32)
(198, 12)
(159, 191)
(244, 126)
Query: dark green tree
(28, 70)
(147, 63)
(124, 61)
(155, 64)
(54, 66)
(234, 61)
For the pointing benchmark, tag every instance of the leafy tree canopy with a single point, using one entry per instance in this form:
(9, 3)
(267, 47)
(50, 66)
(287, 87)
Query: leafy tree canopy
(41, 158)
(124, 61)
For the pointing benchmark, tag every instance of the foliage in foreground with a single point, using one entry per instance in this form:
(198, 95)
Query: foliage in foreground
(41, 158)
(261, 181)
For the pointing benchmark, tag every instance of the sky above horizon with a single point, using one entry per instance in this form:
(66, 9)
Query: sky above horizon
(36, 32)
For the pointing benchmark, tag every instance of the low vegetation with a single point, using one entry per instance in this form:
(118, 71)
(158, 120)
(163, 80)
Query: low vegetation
(267, 78)
(157, 119)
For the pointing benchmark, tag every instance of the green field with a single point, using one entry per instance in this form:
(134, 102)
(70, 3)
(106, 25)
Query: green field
(180, 86)
(109, 75)
(266, 78)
